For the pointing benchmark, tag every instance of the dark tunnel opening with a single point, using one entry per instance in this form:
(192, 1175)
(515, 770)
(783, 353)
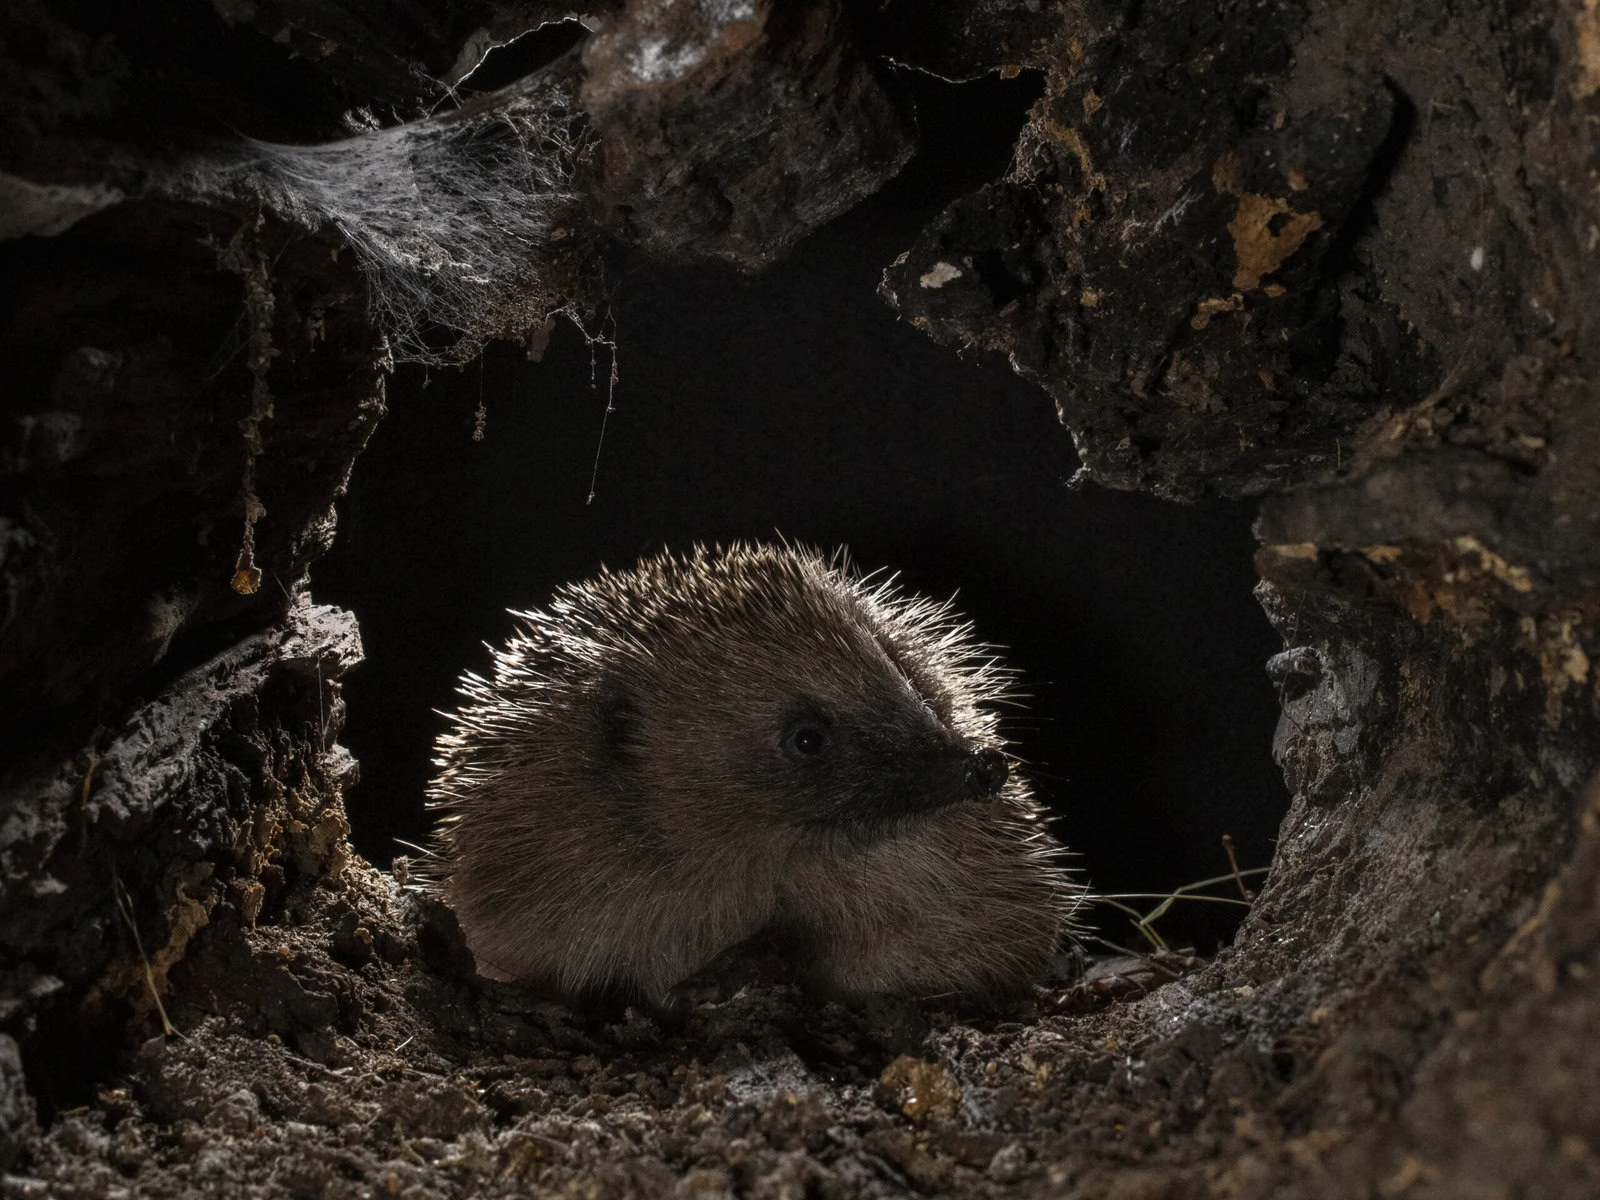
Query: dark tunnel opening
(795, 402)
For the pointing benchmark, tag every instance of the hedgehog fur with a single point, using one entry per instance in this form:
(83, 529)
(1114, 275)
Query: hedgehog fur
(673, 760)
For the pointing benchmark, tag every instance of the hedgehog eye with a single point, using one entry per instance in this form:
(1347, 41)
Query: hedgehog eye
(805, 741)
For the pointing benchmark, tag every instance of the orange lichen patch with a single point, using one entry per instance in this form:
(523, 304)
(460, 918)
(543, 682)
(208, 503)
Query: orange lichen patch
(1516, 578)
(1206, 309)
(1091, 103)
(1260, 249)
(929, 1091)
(1307, 550)
(1089, 299)
(1469, 610)
(1458, 588)
(1065, 135)
(1563, 663)
(186, 918)
(1420, 601)
(1266, 231)
(1587, 21)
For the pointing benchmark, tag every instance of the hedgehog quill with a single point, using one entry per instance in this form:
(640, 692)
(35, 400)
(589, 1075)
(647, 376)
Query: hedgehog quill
(672, 760)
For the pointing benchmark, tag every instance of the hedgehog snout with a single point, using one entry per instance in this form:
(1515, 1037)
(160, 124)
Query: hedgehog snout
(986, 771)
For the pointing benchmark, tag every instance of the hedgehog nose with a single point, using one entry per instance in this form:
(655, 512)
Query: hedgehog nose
(987, 770)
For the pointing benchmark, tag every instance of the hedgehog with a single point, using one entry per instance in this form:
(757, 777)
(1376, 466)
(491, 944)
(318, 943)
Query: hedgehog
(672, 761)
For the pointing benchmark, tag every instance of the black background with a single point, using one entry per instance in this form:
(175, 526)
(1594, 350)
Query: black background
(796, 402)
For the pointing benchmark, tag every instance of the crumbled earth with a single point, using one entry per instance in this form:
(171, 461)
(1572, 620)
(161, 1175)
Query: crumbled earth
(350, 1053)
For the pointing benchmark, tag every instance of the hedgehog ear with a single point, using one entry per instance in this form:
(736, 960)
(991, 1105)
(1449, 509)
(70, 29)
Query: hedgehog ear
(616, 721)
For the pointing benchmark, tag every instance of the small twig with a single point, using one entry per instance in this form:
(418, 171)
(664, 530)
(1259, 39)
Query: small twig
(599, 338)
(1149, 934)
(1233, 861)
(422, 850)
(322, 713)
(403, 1143)
(1145, 923)
(83, 805)
(480, 419)
(125, 907)
(1169, 896)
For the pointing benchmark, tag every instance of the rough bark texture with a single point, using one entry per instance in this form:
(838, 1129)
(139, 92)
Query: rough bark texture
(1342, 258)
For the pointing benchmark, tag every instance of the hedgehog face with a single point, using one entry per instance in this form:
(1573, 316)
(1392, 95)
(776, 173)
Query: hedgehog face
(843, 738)
(868, 769)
